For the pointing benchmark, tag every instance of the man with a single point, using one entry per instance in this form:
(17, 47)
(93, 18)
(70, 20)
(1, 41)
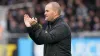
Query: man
(56, 37)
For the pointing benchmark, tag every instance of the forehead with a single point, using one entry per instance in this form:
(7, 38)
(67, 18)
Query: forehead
(48, 7)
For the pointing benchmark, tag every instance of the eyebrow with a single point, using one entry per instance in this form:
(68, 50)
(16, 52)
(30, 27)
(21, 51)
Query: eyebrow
(46, 10)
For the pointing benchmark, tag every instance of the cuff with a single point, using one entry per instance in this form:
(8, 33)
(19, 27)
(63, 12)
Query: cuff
(34, 27)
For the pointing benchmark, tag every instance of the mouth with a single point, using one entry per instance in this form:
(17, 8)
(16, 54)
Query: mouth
(46, 16)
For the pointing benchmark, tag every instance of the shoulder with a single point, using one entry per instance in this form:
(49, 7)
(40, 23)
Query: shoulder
(65, 25)
(62, 24)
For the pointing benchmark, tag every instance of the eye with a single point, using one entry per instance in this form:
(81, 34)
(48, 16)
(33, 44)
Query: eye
(46, 11)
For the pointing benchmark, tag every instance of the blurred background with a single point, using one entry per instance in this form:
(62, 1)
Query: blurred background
(83, 17)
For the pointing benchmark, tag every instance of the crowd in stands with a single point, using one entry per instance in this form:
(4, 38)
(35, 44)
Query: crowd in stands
(81, 15)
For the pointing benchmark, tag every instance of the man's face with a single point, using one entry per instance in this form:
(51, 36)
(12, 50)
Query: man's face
(49, 13)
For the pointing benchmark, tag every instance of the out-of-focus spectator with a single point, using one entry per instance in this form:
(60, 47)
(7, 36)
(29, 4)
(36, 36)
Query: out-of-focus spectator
(81, 10)
(43, 3)
(92, 14)
(34, 2)
(42, 21)
(11, 2)
(88, 24)
(72, 23)
(98, 12)
(63, 6)
(80, 26)
(77, 13)
(98, 3)
(96, 23)
(70, 3)
(39, 12)
(80, 18)
(68, 12)
(15, 19)
(66, 19)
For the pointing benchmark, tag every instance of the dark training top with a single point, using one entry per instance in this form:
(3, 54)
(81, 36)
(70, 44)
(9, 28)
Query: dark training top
(56, 37)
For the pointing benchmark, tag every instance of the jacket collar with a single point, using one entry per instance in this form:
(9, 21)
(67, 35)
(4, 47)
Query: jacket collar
(55, 21)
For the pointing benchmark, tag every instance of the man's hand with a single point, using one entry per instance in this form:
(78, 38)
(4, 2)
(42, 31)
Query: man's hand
(29, 21)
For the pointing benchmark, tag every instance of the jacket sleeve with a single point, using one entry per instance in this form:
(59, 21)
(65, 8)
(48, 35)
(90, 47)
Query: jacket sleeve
(41, 36)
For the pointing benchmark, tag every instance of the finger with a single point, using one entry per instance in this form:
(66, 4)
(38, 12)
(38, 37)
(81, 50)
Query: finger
(33, 17)
(36, 19)
(33, 22)
(27, 16)
(24, 16)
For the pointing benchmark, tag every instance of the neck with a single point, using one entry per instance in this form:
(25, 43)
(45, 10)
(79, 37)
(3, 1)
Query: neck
(55, 17)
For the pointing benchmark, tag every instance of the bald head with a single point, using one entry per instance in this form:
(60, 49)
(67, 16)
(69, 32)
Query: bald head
(52, 11)
(55, 6)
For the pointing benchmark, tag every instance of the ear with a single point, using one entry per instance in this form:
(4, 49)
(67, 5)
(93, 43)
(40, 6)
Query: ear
(55, 13)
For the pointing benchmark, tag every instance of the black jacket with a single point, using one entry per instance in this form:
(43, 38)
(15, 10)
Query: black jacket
(56, 38)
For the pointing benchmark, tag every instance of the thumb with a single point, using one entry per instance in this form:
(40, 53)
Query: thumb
(36, 19)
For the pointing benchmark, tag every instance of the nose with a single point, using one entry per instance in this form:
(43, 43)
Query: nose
(45, 13)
